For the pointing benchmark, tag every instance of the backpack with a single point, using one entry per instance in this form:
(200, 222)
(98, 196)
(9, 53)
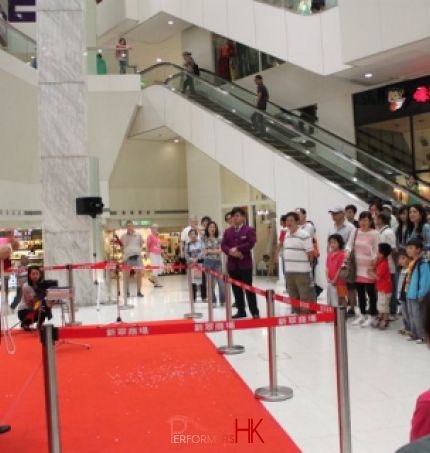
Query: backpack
(196, 69)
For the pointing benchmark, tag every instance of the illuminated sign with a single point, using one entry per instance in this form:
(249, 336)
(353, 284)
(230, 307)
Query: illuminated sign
(422, 94)
(396, 99)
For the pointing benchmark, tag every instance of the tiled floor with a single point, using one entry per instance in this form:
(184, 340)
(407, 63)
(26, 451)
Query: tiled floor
(387, 373)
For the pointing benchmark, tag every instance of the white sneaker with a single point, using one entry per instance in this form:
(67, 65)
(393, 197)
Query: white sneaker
(358, 321)
(368, 322)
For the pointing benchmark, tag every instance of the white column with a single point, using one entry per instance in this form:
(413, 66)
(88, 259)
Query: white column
(63, 142)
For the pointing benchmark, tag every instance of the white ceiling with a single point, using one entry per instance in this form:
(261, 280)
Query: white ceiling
(156, 29)
(161, 134)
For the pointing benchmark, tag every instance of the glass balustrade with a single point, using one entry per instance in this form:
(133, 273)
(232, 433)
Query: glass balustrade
(110, 60)
(304, 7)
(295, 136)
(17, 44)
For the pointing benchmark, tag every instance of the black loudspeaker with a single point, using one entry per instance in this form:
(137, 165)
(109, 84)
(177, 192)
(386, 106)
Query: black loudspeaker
(92, 206)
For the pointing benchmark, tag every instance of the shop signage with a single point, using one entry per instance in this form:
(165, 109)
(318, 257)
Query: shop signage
(396, 99)
(22, 11)
(422, 94)
(137, 223)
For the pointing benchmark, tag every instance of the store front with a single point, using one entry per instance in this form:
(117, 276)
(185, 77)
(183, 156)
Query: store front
(393, 124)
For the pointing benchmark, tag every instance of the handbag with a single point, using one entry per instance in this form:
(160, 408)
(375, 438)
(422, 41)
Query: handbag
(349, 268)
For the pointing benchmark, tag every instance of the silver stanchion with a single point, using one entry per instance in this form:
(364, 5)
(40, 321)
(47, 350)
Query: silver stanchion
(210, 298)
(72, 320)
(192, 314)
(230, 348)
(125, 284)
(48, 336)
(343, 401)
(273, 392)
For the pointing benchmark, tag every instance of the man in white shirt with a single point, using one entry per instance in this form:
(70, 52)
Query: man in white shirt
(387, 208)
(387, 235)
(194, 224)
(131, 244)
(298, 254)
(304, 223)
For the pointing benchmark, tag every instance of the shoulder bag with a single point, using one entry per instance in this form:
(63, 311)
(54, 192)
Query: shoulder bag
(349, 268)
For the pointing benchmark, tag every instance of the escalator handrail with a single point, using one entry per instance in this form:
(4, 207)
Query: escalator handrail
(316, 126)
(15, 30)
(339, 154)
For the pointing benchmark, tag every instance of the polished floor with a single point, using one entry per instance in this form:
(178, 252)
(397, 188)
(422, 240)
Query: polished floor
(387, 373)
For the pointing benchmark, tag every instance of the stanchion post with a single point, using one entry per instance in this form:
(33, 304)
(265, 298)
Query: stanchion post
(210, 292)
(48, 336)
(192, 314)
(273, 392)
(230, 348)
(343, 400)
(125, 289)
(72, 321)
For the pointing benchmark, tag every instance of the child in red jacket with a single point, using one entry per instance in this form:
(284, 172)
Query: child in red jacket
(383, 285)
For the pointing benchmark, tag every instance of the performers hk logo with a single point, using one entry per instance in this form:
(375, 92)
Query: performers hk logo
(184, 430)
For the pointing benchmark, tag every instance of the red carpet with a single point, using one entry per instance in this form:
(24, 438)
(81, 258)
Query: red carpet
(133, 395)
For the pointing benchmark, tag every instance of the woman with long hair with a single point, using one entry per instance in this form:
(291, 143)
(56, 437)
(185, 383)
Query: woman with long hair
(404, 229)
(364, 241)
(31, 309)
(212, 260)
(420, 227)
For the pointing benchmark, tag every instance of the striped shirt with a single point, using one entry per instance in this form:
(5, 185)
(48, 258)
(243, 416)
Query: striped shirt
(296, 249)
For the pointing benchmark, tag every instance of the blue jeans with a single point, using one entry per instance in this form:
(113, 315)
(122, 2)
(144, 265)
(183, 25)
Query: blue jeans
(215, 265)
(406, 315)
(415, 318)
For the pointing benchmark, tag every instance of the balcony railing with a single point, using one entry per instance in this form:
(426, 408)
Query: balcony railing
(305, 7)
(17, 43)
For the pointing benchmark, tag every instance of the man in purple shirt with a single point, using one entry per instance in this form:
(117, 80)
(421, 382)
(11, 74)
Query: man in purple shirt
(237, 243)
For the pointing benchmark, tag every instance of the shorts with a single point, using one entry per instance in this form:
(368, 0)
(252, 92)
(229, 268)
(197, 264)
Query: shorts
(384, 303)
(342, 290)
(135, 262)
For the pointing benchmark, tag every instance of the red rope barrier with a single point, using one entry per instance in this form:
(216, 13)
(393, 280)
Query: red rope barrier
(136, 330)
(314, 306)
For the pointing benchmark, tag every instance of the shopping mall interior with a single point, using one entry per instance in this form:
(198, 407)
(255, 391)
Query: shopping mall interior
(347, 122)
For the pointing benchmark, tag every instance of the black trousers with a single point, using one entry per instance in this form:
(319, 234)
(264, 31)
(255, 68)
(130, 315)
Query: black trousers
(244, 276)
(362, 289)
(188, 81)
(203, 287)
(22, 316)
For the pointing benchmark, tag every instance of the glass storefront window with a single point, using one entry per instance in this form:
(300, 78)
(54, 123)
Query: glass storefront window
(234, 60)
(421, 138)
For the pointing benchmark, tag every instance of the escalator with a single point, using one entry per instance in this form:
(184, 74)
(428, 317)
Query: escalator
(329, 156)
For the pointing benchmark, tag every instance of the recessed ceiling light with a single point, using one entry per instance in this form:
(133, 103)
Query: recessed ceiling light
(159, 60)
(368, 75)
(176, 140)
(170, 22)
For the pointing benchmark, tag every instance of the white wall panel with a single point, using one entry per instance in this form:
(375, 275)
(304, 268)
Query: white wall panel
(268, 19)
(192, 11)
(110, 13)
(153, 109)
(172, 7)
(148, 9)
(360, 24)
(304, 41)
(241, 21)
(178, 115)
(203, 131)
(411, 14)
(331, 42)
(258, 166)
(215, 16)
(229, 152)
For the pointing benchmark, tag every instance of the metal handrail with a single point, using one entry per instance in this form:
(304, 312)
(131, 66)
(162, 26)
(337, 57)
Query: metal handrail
(272, 119)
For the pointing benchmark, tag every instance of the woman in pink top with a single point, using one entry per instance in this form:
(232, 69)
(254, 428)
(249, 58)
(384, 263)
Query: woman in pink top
(364, 242)
(153, 247)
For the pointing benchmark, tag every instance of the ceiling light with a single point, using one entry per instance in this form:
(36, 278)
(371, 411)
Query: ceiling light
(176, 140)
(159, 60)
(368, 75)
(170, 22)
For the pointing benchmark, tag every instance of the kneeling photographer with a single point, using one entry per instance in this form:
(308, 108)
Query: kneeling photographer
(32, 307)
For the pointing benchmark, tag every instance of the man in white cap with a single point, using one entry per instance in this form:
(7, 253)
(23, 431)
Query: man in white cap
(387, 208)
(344, 228)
